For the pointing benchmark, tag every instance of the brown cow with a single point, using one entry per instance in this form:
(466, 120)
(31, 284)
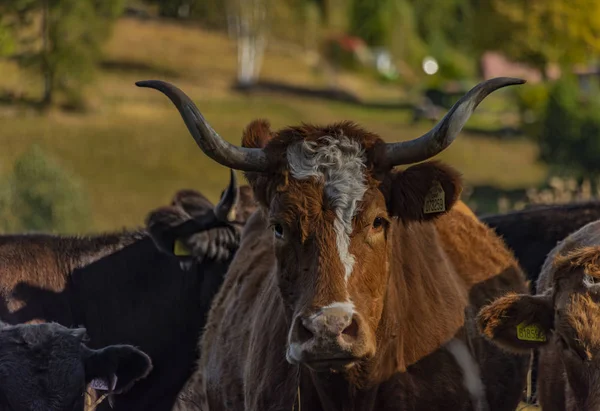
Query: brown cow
(352, 273)
(561, 320)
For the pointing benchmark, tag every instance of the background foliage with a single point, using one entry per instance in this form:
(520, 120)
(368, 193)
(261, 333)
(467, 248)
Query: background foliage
(39, 195)
(129, 152)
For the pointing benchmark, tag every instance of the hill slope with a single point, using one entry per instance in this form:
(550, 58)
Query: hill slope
(134, 152)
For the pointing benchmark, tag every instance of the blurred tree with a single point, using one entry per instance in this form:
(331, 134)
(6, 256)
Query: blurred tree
(67, 41)
(413, 29)
(301, 22)
(248, 21)
(211, 13)
(442, 26)
(40, 196)
(569, 133)
(372, 20)
(537, 32)
(7, 41)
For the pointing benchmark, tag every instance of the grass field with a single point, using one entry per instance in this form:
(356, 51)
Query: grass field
(133, 151)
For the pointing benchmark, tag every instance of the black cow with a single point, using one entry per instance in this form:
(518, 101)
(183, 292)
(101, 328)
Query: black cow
(148, 290)
(532, 233)
(45, 367)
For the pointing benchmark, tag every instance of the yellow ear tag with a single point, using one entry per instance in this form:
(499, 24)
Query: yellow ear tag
(232, 214)
(179, 249)
(530, 332)
(435, 200)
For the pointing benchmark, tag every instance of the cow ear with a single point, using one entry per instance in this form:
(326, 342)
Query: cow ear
(518, 323)
(115, 368)
(424, 191)
(160, 223)
(192, 202)
(257, 135)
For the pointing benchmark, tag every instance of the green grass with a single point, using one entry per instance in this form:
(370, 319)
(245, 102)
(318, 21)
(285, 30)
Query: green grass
(133, 151)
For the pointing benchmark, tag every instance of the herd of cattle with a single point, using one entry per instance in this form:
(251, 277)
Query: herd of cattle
(332, 282)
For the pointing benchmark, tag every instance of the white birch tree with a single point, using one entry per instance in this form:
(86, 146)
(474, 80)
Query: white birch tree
(248, 23)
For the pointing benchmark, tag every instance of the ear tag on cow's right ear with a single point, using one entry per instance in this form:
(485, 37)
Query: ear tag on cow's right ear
(180, 250)
(530, 332)
(101, 384)
(435, 200)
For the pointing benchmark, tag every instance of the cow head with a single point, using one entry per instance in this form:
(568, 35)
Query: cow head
(330, 194)
(47, 367)
(192, 229)
(564, 318)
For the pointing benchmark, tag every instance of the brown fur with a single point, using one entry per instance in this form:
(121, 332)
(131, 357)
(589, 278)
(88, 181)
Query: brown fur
(463, 208)
(415, 280)
(568, 313)
(587, 258)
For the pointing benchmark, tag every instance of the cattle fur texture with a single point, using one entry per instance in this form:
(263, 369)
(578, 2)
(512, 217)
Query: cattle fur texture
(123, 288)
(566, 309)
(341, 247)
(532, 233)
(47, 366)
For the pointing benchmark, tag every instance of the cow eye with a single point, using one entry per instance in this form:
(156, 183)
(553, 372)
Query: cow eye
(589, 280)
(278, 230)
(377, 223)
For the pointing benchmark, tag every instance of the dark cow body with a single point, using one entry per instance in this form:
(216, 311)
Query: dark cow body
(533, 232)
(125, 290)
(45, 367)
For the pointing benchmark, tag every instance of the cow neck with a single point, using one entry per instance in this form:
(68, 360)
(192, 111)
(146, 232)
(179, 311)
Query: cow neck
(424, 304)
(333, 392)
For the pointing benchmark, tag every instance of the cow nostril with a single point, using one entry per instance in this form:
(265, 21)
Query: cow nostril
(304, 334)
(352, 329)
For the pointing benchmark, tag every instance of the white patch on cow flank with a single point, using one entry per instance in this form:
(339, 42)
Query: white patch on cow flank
(339, 163)
(470, 370)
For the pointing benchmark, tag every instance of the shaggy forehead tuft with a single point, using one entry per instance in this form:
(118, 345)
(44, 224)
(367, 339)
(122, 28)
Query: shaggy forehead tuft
(339, 163)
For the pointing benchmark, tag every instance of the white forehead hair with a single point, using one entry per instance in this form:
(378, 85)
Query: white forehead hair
(339, 163)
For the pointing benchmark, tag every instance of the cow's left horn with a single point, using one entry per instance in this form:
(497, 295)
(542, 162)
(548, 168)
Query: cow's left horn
(213, 145)
(444, 133)
(228, 200)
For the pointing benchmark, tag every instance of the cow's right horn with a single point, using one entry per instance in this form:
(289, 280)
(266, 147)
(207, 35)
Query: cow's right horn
(213, 145)
(443, 134)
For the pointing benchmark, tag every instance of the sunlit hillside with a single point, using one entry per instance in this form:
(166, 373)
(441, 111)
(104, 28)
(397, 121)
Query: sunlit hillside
(133, 151)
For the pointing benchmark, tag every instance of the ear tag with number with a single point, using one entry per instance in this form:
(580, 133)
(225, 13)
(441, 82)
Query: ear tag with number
(435, 200)
(101, 384)
(530, 332)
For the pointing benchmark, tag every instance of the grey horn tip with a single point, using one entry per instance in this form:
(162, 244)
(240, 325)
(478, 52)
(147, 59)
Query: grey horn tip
(505, 81)
(149, 83)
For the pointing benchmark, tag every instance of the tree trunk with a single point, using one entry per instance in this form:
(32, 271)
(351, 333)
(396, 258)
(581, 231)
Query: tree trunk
(45, 63)
(247, 21)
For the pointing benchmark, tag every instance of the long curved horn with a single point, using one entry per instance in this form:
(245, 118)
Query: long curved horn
(213, 145)
(228, 200)
(445, 132)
